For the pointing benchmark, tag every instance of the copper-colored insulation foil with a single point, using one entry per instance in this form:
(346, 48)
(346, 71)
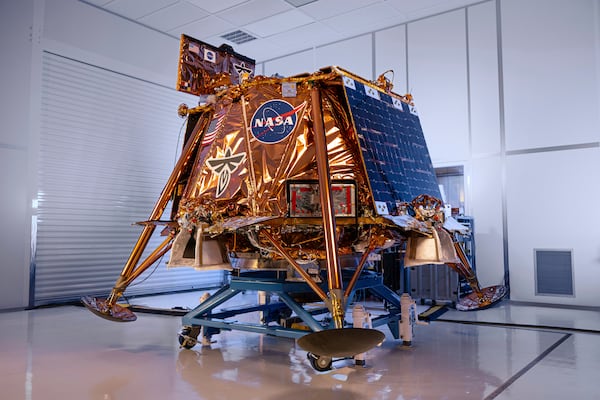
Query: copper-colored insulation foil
(260, 140)
(292, 158)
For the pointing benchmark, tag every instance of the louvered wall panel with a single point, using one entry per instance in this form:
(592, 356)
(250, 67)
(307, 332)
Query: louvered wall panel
(108, 143)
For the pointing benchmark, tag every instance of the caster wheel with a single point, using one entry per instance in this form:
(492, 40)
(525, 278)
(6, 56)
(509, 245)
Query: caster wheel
(188, 337)
(319, 363)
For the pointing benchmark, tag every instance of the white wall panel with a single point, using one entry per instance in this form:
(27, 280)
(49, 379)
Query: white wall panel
(75, 29)
(15, 64)
(437, 68)
(551, 81)
(551, 205)
(483, 79)
(292, 65)
(16, 44)
(259, 69)
(354, 55)
(14, 235)
(390, 53)
(485, 205)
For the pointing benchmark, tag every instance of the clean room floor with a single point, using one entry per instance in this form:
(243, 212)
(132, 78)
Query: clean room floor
(66, 352)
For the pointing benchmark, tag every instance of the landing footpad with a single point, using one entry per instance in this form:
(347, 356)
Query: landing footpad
(346, 342)
(489, 296)
(101, 308)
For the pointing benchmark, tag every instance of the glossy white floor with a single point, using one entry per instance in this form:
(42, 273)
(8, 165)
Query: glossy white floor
(68, 353)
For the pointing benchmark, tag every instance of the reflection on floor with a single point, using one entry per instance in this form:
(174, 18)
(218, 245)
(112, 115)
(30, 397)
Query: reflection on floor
(68, 353)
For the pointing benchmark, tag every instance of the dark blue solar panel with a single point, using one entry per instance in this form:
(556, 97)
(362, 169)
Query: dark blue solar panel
(393, 146)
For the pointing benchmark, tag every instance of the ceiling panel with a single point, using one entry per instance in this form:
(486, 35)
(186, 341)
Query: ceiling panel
(99, 3)
(171, 17)
(254, 10)
(216, 6)
(365, 19)
(135, 9)
(279, 23)
(324, 9)
(205, 27)
(413, 5)
(422, 8)
(280, 28)
(304, 37)
(264, 47)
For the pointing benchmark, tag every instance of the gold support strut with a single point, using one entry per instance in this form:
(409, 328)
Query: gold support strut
(338, 342)
(481, 297)
(296, 266)
(334, 273)
(130, 271)
(359, 269)
(464, 269)
(252, 175)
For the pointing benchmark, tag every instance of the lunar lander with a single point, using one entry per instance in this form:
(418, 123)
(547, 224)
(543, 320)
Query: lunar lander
(294, 185)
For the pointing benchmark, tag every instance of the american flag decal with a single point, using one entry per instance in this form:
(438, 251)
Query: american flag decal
(213, 128)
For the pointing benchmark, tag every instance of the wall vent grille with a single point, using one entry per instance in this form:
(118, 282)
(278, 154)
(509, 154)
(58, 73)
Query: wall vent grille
(554, 272)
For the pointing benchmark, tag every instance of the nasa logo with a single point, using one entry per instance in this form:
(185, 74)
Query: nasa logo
(210, 56)
(274, 121)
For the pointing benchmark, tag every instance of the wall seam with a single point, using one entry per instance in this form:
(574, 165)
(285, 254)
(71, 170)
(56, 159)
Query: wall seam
(37, 30)
(596, 7)
(406, 56)
(566, 147)
(373, 57)
(501, 117)
(469, 115)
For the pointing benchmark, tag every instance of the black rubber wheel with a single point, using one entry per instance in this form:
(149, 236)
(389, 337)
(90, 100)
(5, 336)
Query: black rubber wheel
(188, 337)
(319, 363)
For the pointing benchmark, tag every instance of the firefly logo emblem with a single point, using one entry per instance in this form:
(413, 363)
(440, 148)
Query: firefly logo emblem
(241, 68)
(223, 167)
